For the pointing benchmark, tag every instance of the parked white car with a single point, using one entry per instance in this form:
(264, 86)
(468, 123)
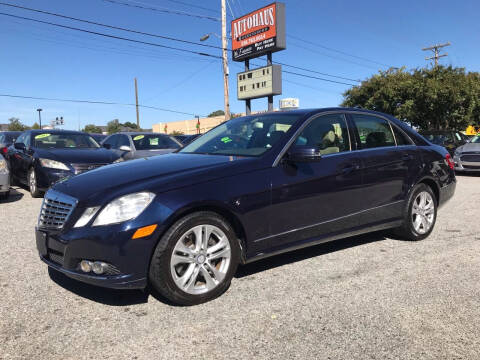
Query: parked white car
(4, 178)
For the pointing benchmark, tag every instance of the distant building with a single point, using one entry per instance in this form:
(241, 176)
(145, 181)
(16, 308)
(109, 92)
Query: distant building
(189, 127)
(4, 127)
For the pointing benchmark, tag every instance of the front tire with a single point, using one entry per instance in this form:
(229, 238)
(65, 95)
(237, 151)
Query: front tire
(420, 214)
(195, 260)
(33, 185)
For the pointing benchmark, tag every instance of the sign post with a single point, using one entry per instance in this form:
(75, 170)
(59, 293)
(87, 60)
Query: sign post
(260, 32)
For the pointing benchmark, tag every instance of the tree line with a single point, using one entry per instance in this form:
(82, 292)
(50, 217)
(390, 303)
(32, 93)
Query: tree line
(442, 97)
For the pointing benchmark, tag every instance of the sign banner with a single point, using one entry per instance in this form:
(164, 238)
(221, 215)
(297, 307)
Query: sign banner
(259, 32)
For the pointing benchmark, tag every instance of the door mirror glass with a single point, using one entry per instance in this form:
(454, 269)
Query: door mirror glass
(125, 148)
(19, 146)
(300, 153)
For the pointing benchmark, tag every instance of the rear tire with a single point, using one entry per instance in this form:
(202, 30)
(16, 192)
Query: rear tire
(420, 214)
(33, 185)
(195, 260)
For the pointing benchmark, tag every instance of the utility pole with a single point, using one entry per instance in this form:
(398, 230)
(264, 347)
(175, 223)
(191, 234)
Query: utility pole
(40, 118)
(225, 62)
(136, 102)
(435, 49)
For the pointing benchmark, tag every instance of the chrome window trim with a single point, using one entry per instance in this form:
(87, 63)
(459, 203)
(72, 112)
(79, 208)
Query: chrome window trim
(304, 125)
(327, 221)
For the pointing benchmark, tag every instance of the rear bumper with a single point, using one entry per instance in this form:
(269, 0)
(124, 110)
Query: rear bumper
(4, 181)
(447, 192)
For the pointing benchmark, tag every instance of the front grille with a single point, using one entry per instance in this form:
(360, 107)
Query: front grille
(471, 167)
(470, 157)
(56, 209)
(81, 168)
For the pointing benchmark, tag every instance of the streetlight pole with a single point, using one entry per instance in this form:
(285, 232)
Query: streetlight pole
(40, 118)
(225, 62)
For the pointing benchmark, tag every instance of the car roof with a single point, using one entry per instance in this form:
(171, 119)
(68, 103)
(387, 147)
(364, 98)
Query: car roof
(55, 131)
(437, 132)
(139, 133)
(11, 132)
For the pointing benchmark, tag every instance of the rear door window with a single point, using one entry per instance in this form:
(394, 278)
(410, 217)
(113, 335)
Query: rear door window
(374, 132)
(400, 137)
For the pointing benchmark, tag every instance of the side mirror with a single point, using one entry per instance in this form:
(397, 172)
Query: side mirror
(107, 146)
(304, 154)
(125, 148)
(19, 146)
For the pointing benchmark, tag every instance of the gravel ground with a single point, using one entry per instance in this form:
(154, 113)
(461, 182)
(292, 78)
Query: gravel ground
(366, 297)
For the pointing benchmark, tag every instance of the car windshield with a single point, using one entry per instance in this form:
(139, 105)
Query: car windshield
(245, 136)
(154, 142)
(476, 139)
(439, 139)
(64, 141)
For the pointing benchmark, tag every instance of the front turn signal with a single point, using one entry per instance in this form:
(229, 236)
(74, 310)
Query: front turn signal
(144, 231)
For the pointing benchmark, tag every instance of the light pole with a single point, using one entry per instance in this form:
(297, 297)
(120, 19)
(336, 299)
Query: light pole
(40, 118)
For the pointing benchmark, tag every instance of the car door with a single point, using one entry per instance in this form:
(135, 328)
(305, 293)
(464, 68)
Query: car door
(387, 168)
(314, 199)
(16, 158)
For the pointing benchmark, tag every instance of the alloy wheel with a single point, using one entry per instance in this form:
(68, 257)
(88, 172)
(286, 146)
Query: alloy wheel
(423, 212)
(200, 259)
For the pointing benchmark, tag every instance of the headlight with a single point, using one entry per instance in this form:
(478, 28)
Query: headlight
(120, 159)
(3, 165)
(53, 164)
(125, 208)
(87, 215)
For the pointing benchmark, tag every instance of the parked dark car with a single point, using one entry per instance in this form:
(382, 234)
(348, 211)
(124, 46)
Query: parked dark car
(98, 137)
(7, 138)
(449, 139)
(39, 158)
(135, 145)
(252, 187)
(467, 156)
(186, 139)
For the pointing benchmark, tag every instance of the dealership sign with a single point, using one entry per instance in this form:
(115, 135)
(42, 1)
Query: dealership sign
(259, 32)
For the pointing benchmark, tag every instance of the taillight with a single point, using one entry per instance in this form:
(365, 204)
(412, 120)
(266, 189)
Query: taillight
(449, 161)
(4, 150)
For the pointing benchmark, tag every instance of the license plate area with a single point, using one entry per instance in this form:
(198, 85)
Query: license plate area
(41, 239)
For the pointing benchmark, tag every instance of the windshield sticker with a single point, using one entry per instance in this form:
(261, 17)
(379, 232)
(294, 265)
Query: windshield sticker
(138, 137)
(41, 136)
(225, 140)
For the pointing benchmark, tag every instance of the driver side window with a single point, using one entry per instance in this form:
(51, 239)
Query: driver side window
(328, 133)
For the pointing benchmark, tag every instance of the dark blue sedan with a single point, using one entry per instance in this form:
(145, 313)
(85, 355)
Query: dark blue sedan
(252, 187)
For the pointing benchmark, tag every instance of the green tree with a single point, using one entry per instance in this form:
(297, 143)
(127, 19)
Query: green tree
(114, 126)
(93, 129)
(16, 125)
(131, 125)
(35, 126)
(216, 113)
(429, 98)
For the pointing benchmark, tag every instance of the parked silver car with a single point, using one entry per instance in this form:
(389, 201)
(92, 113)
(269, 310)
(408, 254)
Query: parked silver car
(467, 157)
(4, 178)
(135, 145)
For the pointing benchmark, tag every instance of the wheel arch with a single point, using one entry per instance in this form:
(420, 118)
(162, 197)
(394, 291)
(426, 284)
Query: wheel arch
(222, 211)
(432, 184)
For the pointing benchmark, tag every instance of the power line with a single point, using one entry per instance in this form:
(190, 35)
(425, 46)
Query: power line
(111, 36)
(194, 6)
(163, 10)
(111, 26)
(94, 102)
(337, 51)
(436, 50)
(157, 36)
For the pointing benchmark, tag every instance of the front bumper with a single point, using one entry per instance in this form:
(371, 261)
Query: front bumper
(466, 166)
(46, 177)
(109, 244)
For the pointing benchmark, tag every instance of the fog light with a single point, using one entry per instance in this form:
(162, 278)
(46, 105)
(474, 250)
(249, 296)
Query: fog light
(86, 266)
(99, 267)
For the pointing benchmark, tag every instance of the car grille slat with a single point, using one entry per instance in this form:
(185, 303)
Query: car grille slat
(81, 168)
(470, 157)
(56, 209)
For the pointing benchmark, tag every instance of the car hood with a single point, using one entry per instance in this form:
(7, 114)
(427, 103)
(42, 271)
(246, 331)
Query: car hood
(473, 147)
(79, 156)
(157, 174)
(148, 153)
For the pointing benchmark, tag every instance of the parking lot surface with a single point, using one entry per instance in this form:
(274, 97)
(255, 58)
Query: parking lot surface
(367, 297)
